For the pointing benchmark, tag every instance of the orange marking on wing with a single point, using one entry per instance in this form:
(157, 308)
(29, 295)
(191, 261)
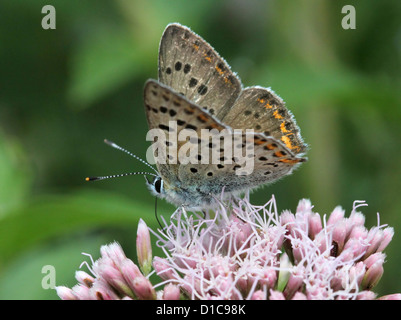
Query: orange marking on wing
(219, 70)
(189, 110)
(283, 128)
(296, 148)
(208, 58)
(277, 115)
(196, 47)
(271, 146)
(226, 80)
(279, 154)
(287, 142)
(262, 101)
(202, 117)
(292, 161)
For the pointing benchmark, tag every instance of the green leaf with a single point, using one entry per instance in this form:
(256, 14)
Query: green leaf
(52, 216)
(102, 64)
(15, 176)
(300, 85)
(25, 277)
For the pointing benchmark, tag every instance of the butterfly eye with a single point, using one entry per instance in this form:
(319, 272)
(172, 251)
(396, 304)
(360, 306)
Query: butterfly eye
(158, 185)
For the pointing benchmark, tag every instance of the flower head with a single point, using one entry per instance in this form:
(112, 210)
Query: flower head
(250, 252)
(114, 277)
(243, 251)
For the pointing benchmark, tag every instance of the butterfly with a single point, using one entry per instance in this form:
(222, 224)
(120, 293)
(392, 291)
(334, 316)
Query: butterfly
(197, 91)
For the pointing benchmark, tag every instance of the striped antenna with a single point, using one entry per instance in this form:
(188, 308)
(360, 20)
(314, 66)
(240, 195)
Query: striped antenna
(119, 175)
(112, 144)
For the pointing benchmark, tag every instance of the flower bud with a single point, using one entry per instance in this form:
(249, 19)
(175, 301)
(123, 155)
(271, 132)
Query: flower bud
(143, 289)
(171, 292)
(372, 276)
(65, 293)
(258, 295)
(394, 296)
(144, 248)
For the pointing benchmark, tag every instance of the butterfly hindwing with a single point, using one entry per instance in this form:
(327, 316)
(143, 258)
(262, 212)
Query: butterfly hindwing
(254, 160)
(265, 112)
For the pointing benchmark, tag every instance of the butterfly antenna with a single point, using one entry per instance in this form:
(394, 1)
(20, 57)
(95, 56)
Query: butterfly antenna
(119, 175)
(116, 146)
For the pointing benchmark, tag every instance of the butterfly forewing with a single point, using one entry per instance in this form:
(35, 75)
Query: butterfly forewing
(180, 121)
(190, 66)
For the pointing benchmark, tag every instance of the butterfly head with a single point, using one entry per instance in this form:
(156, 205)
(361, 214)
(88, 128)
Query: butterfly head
(155, 186)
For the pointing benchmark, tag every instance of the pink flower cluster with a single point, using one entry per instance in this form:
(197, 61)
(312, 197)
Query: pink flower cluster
(243, 251)
(115, 277)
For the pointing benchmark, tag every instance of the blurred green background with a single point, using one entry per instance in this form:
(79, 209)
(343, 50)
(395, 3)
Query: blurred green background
(63, 91)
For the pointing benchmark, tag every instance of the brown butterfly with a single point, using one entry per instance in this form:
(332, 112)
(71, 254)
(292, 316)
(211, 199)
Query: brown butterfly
(196, 92)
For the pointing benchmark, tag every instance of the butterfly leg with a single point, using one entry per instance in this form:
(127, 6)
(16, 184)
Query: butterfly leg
(157, 218)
